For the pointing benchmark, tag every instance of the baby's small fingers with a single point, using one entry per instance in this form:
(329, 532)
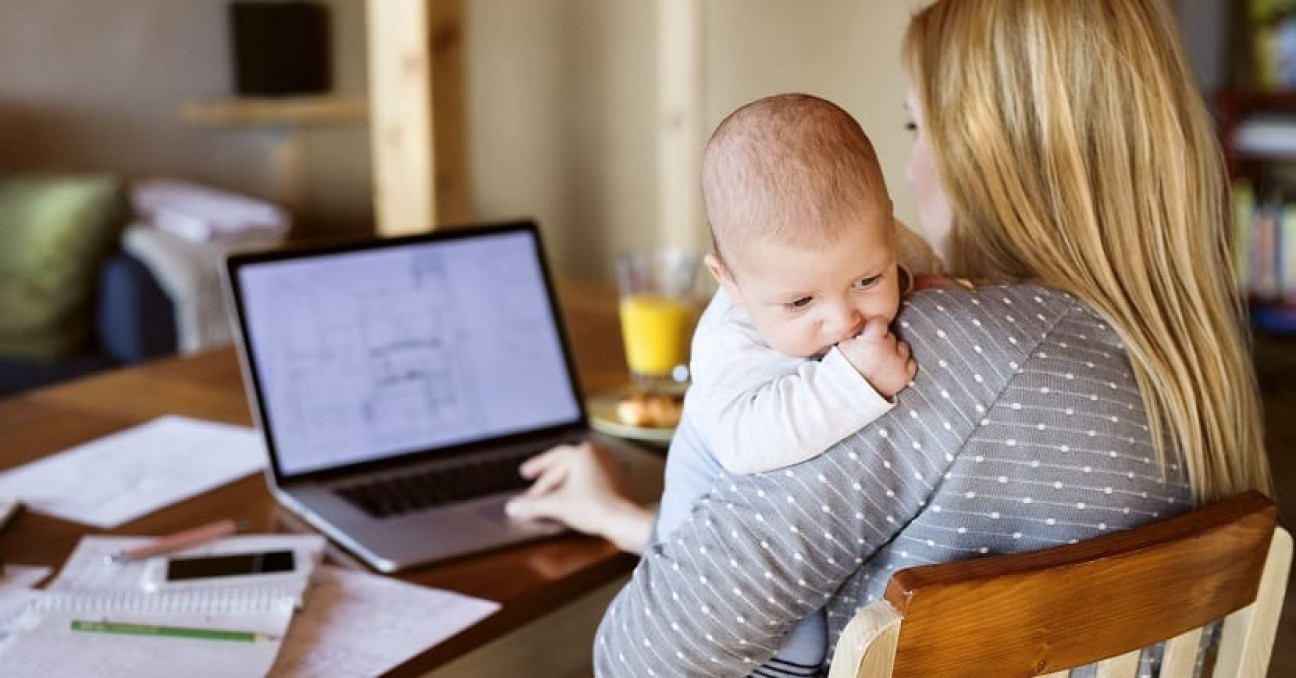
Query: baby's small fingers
(911, 368)
(903, 349)
(875, 329)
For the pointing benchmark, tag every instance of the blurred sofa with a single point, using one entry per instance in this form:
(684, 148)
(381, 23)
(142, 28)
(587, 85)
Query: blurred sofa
(72, 302)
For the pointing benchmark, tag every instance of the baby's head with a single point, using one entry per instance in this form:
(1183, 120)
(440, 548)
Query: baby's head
(801, 222)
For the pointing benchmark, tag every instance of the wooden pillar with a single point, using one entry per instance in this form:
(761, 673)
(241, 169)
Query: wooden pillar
(681, 73)
(416, 113)
(449, 131)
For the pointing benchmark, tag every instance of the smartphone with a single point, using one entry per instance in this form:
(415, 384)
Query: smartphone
(228, 565)
(254, 568)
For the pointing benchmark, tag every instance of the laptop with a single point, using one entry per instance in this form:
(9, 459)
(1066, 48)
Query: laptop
(399, 382)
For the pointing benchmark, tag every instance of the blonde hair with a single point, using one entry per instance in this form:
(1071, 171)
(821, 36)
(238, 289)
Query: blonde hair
(1076, 152)
(790, 167)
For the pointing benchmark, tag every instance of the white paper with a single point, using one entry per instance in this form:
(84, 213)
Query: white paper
(120, 477)
(16, 591)
(88, 571)
(357, 625)
(8, 509)
(22, 576)
(43, 644)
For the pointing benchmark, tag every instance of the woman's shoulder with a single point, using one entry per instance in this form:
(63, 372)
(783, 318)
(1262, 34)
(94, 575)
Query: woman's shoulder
(1002, 325)
(1009, 314)
(994, 300)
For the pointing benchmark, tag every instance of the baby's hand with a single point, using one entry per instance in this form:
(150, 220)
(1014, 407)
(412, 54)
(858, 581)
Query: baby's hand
(881, 358)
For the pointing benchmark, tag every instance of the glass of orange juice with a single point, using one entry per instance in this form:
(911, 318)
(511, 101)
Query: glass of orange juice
(658, 309)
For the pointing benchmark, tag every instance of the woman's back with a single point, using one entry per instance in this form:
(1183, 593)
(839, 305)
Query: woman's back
(1046, 430)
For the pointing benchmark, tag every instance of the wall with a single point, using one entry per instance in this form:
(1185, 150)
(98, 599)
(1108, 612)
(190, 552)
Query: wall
(561, 101)
(98, 86)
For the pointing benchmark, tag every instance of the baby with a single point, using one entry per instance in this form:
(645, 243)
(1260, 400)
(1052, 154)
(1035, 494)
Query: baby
(794, 353)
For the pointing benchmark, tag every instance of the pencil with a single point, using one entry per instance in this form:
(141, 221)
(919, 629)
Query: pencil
(178, 541)
(169, 631)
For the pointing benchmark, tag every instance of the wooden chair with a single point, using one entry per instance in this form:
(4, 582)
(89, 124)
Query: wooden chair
(1101, 600)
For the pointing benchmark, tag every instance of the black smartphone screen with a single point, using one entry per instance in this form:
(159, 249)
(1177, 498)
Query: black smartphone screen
(229, 565)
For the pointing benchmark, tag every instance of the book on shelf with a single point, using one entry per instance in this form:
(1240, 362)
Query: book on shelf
(1272, 134)
(1264, 256)
(1271, 34)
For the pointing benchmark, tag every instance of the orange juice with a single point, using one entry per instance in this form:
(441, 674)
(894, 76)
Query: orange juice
(656, 331)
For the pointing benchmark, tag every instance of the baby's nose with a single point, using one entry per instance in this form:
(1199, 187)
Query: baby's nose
(847, 323)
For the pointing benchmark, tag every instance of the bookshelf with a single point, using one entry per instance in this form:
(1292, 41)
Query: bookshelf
(1258, 134)
(1256, 115)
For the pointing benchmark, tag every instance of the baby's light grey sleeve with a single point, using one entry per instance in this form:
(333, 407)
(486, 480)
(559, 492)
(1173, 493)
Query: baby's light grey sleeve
(759, 410)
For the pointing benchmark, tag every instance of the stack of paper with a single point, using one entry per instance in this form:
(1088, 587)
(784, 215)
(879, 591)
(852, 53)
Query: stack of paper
(346, 624)
(96, 619)
(16, 593)
(88, 570)
(357, 625)
(120, 477)
(100, 608)
(190, 633)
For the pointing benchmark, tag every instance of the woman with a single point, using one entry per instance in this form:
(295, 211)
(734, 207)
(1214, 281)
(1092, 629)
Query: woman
(1096, 172)
(1098, 380)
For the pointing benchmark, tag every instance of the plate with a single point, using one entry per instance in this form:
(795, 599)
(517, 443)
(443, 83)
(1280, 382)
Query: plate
(603, 418)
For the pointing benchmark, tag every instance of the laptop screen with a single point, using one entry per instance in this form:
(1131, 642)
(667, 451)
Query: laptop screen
(378, 352)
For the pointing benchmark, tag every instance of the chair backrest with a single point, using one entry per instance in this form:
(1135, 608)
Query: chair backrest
(1101, 600)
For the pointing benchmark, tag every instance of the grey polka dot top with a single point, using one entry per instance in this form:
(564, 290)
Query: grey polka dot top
(1024, 429)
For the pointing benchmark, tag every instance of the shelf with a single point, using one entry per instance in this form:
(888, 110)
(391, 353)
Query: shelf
(253, 111)
(1276, 100)
(1265, 135)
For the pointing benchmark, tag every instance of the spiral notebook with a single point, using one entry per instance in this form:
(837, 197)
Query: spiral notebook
(44, 643)
(90, 590)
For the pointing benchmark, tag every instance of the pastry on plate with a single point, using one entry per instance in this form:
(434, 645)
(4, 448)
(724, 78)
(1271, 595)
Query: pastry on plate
(653, 410)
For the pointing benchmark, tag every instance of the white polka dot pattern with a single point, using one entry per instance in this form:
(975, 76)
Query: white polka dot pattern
(1037, 439)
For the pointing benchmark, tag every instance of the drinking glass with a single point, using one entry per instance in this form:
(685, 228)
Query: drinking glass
(658, 309)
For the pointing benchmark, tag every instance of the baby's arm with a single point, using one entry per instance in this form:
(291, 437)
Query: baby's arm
(760, 410)
(880, 358)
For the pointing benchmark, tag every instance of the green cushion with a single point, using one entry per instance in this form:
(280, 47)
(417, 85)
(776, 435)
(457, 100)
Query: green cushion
(55, 231)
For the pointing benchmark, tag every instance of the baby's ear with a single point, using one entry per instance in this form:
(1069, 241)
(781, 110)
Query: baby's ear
(723, 276)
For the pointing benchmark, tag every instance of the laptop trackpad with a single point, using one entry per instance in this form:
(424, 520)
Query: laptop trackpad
(495, 513)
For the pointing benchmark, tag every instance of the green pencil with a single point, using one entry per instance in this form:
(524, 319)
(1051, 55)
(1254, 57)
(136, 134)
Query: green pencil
(168, 631)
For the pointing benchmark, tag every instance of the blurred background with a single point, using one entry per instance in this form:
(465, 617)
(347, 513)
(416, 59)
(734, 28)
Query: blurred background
(559, 103)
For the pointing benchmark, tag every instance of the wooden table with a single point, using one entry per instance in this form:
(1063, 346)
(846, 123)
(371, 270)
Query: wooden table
(529, 580)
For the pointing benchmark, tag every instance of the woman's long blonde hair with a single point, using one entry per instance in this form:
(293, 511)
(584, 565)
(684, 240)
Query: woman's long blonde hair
(1076, 152)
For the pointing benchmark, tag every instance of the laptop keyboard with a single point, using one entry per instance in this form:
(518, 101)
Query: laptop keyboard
(396, 495)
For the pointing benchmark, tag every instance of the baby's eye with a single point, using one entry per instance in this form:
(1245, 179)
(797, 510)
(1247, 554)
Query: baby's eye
(799, 303)
(865, 283)
(911, 126)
